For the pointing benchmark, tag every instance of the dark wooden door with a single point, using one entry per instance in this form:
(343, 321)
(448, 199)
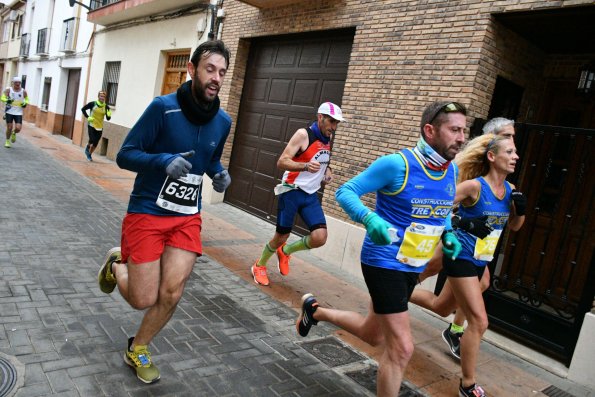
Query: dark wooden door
(287, 78)
(72, 93)
(545, 281)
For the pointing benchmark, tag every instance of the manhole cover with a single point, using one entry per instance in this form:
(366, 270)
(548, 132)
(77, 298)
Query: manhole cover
(367, 378)
(332, 352)
(8, 376)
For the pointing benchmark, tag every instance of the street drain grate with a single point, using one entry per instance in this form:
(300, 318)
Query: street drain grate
(8, 376)
(332, 352)
(553, 391)
(366, 377)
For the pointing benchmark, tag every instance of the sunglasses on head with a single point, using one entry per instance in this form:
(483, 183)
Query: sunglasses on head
(451, 107)
(491, 145)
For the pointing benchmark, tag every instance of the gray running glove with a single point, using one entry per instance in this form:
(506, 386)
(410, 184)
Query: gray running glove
(221, 181)
(179, 167)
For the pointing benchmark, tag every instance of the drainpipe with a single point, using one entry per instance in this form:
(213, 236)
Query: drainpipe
(213, 10)
(91, 45)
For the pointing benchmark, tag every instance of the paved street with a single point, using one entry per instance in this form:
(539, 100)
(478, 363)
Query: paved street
(228, 337)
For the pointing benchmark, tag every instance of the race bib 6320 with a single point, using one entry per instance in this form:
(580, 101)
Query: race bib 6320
(180, 195)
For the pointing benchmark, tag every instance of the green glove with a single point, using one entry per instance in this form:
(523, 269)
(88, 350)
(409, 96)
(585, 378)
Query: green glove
(90, 119)
(451, 247)
(108, 113)
(377, 228)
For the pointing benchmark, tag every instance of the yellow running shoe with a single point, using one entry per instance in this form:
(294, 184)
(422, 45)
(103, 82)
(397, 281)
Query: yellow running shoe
(13, 137)
(106, 277)
(140, 359)
(7, 143)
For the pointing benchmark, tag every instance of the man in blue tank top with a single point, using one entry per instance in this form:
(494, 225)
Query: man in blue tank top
(415, 191)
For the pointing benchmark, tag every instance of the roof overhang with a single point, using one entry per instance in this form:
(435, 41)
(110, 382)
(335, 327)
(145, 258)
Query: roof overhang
(568, 30)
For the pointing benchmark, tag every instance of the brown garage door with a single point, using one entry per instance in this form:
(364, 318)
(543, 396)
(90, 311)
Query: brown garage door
(287, 77)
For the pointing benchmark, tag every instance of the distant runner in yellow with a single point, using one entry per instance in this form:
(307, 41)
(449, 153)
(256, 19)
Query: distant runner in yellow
(98, 110)
(16, 99)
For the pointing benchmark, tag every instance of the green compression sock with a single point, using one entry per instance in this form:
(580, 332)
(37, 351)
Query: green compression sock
(300, 245)
(267, 252)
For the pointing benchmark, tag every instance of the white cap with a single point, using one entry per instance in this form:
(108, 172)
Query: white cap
(330, 109)
(16, 79)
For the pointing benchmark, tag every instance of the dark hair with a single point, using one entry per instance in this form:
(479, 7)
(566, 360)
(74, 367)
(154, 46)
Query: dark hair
(210, 47)
(434, 112)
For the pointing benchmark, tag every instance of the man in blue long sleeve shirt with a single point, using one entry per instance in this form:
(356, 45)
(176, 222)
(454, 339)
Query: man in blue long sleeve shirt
(178, 139)
(415, 191)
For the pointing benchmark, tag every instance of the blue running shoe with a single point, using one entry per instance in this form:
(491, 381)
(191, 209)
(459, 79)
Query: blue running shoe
(306, 320)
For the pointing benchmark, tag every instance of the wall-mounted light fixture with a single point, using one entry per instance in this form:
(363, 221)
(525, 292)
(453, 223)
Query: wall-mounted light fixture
(73, 2)
(586, 80)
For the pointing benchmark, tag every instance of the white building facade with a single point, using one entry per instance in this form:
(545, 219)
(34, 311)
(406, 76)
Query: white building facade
(141, 50)
(53, 62)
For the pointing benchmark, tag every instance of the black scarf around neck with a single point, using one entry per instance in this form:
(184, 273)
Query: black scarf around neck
(193, 111)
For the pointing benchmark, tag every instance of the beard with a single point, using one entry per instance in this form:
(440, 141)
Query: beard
(451, 152)
(448, 153)
(199, 91)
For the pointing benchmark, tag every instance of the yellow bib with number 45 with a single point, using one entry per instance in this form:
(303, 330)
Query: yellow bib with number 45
(419, 243)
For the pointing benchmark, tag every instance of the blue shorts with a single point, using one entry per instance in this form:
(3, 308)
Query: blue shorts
(299, 202)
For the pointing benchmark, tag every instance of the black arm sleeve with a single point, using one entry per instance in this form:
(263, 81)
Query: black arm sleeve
(84, 109)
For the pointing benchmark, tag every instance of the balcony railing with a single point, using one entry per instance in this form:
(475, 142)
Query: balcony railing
(43, 42)
(111, 12)
(25, 41)
(69, 33)
(95, 4)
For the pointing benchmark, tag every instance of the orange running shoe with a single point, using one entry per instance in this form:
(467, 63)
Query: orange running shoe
(283, 260)
(260, 274)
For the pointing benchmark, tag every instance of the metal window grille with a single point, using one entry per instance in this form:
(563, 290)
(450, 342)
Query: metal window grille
(68, 38)
(25, 41)
(111, 77)
(20, 25)
(43, 41)
(45, 98)
(5, 31)
(95, 4)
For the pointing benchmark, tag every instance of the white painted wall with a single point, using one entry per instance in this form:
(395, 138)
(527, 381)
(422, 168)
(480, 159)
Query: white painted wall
(51, 14)
(141, 51)
(581, 368)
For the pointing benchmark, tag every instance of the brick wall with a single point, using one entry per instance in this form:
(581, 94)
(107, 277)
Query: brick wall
(405, 54)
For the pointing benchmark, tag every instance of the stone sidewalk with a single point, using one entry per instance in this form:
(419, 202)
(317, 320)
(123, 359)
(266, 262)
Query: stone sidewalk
(228, 337)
